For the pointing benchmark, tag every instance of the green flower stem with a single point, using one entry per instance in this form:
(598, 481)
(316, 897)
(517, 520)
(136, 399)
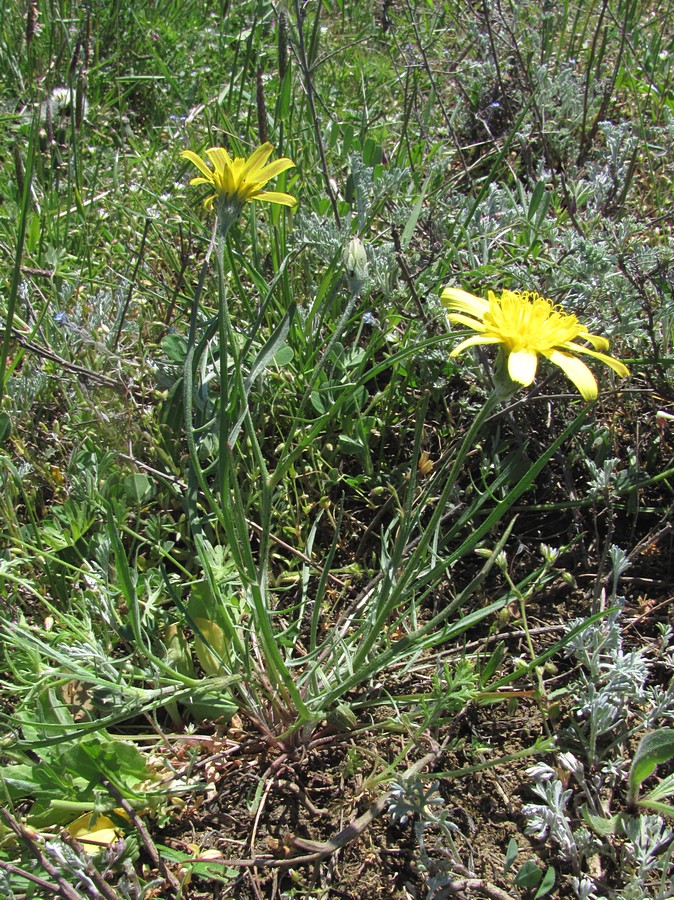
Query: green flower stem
(228, 506)
(197, 480)
(525, 623)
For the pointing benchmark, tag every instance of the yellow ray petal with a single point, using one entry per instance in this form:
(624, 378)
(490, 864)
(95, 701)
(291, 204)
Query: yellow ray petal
(220, 158)
(472, 342)
(272, 170)
(257, 159)
(598, 342)
(522, 366)
(276, 197)
(619, 367)
(199, 163)
(576, 370)
(459, 319)
(455, 298)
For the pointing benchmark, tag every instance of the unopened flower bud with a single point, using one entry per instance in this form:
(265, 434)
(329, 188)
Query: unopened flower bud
(355, 263)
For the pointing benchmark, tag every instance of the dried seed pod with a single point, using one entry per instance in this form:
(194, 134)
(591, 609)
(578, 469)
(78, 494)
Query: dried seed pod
(80, 100)
(262, 129)
(18, 168)
(282, 44)
(32, 28)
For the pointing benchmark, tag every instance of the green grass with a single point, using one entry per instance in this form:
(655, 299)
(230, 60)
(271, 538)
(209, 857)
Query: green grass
(239, 487)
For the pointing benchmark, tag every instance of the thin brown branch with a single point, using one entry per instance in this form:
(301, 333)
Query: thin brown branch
(22, 873)
(104, 889)
(65, 889)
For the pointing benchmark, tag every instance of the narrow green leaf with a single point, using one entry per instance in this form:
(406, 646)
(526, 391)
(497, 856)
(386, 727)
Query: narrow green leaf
(511, 855)
(536, 198)
(264, 358)
(5, 427)
(284, 98)
(664, 809)
(493, 663)
(411, 223)
(547, 884)
(12, 299)
(660, 791)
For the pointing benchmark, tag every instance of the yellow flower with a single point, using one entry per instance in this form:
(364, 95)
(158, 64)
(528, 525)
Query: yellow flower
(527, 326)
(237, 180)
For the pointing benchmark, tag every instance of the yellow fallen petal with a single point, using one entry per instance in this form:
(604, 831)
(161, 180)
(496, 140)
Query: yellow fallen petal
(94, 837)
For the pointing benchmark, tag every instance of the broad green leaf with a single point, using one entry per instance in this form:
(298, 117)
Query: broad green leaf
(139, 488)
(118, 761)
(19, 780)
(372, 152)
(529, 876)
(211, 707)
(175, 347)
(209, 645)
(177, 650)
(283, 356)
(600, 825)
(350, 447)
(654, 748)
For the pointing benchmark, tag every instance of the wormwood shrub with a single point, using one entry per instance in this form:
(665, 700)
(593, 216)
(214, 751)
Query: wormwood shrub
(616, 736)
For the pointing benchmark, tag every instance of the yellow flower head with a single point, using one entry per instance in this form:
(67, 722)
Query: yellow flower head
(237, 180)
(527, 326)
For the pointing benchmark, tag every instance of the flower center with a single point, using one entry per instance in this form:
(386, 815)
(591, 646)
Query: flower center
(523, 320)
